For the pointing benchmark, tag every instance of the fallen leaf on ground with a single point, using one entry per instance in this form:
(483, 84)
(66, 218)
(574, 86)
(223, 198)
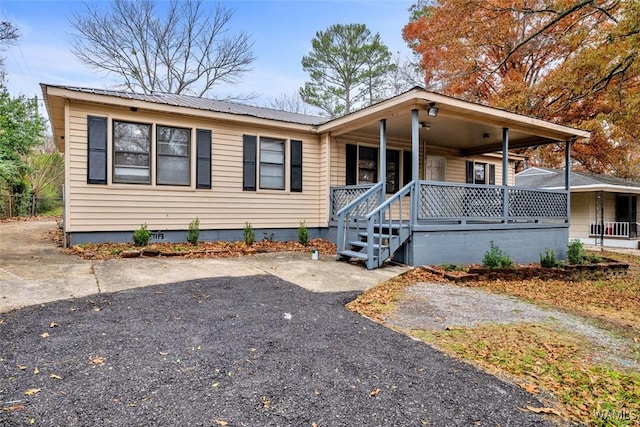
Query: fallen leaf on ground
(45, 335)
(55, 377)
(543, 410)
(531, 388)
(22, 367)
(32, 391)
(265, 402)
(375, 392)
(220, 422)
(36, 371)
(15, 407)
(53, 324)
(97, 360)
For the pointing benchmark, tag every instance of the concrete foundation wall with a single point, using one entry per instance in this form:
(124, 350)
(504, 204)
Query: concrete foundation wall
(173, 236)
(468, 247)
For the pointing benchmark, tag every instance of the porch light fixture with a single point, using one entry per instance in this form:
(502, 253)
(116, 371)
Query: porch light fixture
(432, 110)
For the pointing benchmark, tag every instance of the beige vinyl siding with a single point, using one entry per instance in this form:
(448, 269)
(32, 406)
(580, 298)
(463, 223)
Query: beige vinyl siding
(454, 166)
(123, 207)
(582, 212)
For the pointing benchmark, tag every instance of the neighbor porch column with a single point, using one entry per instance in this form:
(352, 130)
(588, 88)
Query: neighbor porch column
(505, 174)
(382, 156)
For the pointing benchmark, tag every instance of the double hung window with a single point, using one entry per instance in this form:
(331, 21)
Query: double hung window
(131, 152)
(173, 161)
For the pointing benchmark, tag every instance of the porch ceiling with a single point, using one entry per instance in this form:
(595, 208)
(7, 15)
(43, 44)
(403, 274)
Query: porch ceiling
(453, 132)
(465, 126)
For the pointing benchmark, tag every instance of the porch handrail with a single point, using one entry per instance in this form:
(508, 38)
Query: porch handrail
(346, 213)
(382, 217)
(338, 194)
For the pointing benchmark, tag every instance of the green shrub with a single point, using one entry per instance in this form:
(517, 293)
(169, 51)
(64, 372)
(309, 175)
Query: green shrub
(193, 235)
(548, 259)
(496, 258)
(141, 236)
(248, 235)
(448, 267)
(303, 233)
(575, 252)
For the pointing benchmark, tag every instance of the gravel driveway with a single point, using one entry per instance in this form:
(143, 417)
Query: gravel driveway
(234, 351)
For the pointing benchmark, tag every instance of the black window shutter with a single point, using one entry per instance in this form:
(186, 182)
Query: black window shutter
(96, 150)
(296, 165)
(492, 174)
(249, 143)
(407, 160)
(469, 171)
(203, 158)
(352, 164)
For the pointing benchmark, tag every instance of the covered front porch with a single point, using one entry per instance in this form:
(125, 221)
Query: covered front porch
(441, 184)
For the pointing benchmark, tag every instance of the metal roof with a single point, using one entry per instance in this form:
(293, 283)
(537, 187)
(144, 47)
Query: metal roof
(205, 104)
(537, 177)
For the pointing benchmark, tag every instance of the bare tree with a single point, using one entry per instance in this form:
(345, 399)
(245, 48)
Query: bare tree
(189, 50)
(291, 103)
(8, 36)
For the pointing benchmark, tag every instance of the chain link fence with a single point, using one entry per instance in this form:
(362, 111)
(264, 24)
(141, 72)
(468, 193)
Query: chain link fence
(15, 205)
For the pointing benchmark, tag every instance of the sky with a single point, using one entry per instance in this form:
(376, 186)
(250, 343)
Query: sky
(281, 30)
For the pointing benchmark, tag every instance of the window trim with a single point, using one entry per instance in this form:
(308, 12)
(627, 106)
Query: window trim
(158, 155)
(114, 179)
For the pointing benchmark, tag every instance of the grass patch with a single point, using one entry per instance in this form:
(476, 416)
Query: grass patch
(540, 357)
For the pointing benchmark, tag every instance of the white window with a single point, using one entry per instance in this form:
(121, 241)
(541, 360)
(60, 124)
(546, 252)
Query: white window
(272, 161)
(173, 162)
(131, 152)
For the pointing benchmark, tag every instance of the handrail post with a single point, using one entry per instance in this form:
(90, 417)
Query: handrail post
(415, 200)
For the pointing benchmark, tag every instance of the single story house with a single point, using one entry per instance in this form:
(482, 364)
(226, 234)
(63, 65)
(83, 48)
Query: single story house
(604, 209)
(421, 178)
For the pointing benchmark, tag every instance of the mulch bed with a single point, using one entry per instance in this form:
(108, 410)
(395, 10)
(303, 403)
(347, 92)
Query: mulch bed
(608, 268)
(202, 250)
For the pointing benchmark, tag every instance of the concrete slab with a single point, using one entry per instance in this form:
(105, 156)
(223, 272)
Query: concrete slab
(34, 271)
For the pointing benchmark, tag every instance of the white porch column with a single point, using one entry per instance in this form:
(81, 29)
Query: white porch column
(505, 156)
(382, 156)
(505, 174)
(415, 145)
(415, 165)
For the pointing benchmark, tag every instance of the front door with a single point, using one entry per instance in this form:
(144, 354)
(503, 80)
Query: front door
(434, 168)
(627, 211)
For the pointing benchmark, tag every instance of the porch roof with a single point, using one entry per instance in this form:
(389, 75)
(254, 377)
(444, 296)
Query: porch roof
(469, 127)
(553, 179)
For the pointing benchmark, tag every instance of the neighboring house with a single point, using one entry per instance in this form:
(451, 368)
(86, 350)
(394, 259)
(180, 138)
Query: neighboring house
(604, 209)
(422, 178)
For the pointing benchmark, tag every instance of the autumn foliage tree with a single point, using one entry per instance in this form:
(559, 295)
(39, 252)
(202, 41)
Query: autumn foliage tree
(569, 61)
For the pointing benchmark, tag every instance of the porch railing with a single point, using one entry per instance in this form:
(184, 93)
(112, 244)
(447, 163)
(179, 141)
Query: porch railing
(341, 196)
(613, 229)
(353, 215)
(473, 202)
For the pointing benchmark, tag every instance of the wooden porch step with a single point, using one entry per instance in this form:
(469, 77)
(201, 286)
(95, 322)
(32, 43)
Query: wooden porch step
(361, 244)
(378, 235)
(353, 254)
